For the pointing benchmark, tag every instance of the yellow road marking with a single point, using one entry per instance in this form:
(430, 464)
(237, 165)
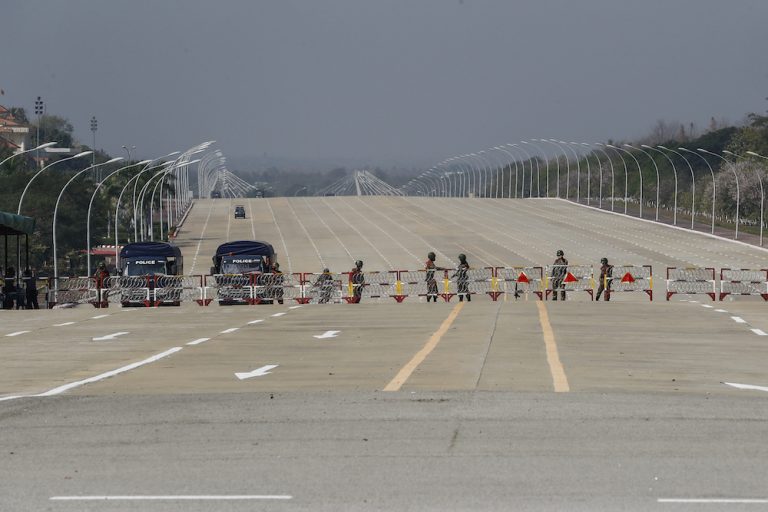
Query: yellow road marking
(406, 371)
(553, 358)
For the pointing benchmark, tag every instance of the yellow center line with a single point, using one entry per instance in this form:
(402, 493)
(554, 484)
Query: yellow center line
(406, 371)
(553, 358)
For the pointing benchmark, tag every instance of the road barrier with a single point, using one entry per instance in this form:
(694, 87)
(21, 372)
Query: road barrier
(691, 280)
(252, 288)
(152, 291)
(569, 278)
(743, 282)
(321, 288)
(72, 290)
(521, 281)
(367, 285)
(630, 278)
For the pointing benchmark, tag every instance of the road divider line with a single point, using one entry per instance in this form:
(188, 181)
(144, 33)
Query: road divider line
(278, 314)
(744, 501)
(720, 311)
(99, 316)
(294, 307)
(17, 333)
(746, 386)
(198, 341)
(406, 371)
(759, 332)
(255, 322)
(63, 324)
(559, 378)
(221, 497)
(231, 329)
(738, 320)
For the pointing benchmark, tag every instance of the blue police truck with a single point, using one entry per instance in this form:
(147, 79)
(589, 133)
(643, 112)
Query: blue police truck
(146, 273)
(242, 272)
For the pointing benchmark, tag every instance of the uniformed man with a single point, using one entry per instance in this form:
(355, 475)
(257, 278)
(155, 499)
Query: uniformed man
(606, 277)
(357, 280)
(324, 285)
(430, 268)
(559, 271)
(462, 280)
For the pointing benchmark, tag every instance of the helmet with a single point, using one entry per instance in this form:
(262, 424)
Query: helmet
(604, 261)
(560, 252)
(431, 256)
(359, 263)
(326, 271)
(276, 266)
(102, 265)
(462, 257)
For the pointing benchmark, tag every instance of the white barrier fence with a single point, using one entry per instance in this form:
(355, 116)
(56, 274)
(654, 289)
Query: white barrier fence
(691, 281)
(744, 282)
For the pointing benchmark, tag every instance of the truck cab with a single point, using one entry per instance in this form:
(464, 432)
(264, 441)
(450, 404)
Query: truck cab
(143, 268)
(239, 271)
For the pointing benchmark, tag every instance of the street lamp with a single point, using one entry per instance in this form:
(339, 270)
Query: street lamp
(513, 160)
(693, 182)
(56, 211)
(578, 171)
(538, 173)
(546, 161)
(567, 170)
(712, 172)
(626, 178)
(94, 127)
(657, 174)
(762, 193)
(128, 150)
(39, 111)
(738, 194)
(557, 161)
(674, 171)
(24, 192)
(41, 146)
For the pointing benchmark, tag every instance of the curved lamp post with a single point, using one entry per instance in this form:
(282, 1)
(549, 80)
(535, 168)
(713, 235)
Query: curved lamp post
(538, 171)
(674, 172)
(738, 194)
(762, 194)
(530, 166)
(567, 168)
(56, 211)
(657, 173)
(557, 161)
(24, 192)
(546, 162)
(712, 172)
(613, 180)
(41, 146)
(640, 173)
(693, 182)
(589, 170)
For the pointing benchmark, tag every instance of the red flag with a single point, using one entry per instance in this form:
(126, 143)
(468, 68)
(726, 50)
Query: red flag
(627, 278)
(522, 278)
(570, 278)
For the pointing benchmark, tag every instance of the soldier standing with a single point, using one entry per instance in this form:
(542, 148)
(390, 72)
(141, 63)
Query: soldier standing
(606, 277)
(462, 280)
(430, 267)
(559, 271)
(357, 280)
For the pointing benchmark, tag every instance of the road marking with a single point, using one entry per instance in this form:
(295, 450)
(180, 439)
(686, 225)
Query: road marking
(559, 378)
(294, 307)
(99, 316)
(278, 314)
(178, 497)
(707, 306)
(720, 311)
(746, 386)
(112, 373)
(198, 341)
(255, 322)
(406, 371)
(110, 336)
(231, 329)
(62, 325)
(17, 333)
(712, 500)
(759, 332)
(738, 320)
(258, 372)
(327, 334)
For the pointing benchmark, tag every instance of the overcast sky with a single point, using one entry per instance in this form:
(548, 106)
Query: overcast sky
(406, 81)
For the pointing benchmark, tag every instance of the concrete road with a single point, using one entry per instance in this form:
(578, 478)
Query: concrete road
(450, 406)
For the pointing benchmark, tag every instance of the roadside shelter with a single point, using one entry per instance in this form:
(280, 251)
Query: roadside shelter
(12, 225)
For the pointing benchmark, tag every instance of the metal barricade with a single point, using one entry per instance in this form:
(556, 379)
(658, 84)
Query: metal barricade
(414, 283)
(630, 278)
(471, 281)
(569, 278)
(129, 290)
(519, 281)
(73, 290)
(743, 282)
(229, 289)
(322, 288)
(177, 289)
(691, 280)
(367, 285)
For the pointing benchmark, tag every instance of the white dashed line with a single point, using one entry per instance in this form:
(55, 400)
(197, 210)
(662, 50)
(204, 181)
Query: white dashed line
(720, 311)
(759, 332)
(707, 306)
(99, 316)
(17, 333)
(231, 329)
(255, 322)
(738, 320)
(62, 325)
(712, 500)
(198, 341)
(278, 314)
(294, 307)
(229, 497)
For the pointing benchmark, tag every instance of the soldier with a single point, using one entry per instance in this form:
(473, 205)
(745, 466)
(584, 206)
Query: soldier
(559, 271)
(357, 280)
(324, 284)
(277, 283)
(30, 284)
(462, 281)
(606, 278)
(430, 267)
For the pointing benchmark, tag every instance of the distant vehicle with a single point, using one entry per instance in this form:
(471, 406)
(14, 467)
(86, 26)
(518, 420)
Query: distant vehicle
(238, 268)
(215, 194)
(142, 266)
(239, 212)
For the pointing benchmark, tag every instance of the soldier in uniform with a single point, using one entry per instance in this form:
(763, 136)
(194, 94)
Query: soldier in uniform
(462, 280)
(324, 284)
(30, 284)
(606, 277)
(559, 271)
(277, 283)
(430, 267)
(357, 280)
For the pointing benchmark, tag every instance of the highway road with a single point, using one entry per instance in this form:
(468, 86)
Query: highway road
(507, 405)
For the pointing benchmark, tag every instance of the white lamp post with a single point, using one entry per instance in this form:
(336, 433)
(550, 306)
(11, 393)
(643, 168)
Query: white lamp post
(24, 192)
(762, 194)
(738, 194)
(712, 172)
(674, 171)
(41, 146)
(626, 179)
(693, 182)
(657, 173)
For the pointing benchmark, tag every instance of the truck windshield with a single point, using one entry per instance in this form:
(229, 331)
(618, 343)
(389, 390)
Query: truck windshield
(240, 266)
(145, 268)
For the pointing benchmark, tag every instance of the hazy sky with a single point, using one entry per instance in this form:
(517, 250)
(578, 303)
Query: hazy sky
(407, 81)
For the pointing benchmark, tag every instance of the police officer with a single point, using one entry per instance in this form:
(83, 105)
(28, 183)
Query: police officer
(324, 284)
(30, 284)
(357, 280)
(462, 280)
(430, 268)
(559, 271)
(606, 278)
